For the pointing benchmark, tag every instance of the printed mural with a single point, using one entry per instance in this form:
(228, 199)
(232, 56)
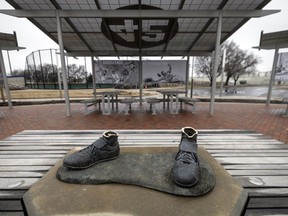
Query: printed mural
(125, 74)
(282, 67)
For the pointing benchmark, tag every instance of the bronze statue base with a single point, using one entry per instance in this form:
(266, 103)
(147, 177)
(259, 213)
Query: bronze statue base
(49, 196)
(144, 168)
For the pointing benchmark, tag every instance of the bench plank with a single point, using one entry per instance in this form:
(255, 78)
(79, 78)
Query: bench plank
(17, 183)
(11, 194)
(14, 213)
(253, 160)
(24, 168)
(268, 202)
(25, 162)
(258, 172)
(258, 162)
(265, 211)
(21, 156)
(256, 167)
(267, 181)
(10, 205)
(267, 192)
(21, 174)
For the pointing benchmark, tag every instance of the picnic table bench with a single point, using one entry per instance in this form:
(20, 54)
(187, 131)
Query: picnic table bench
(128, 101)
(152, 101)
(90, 102)
(285, 101)
(257, 162)
(189, 101)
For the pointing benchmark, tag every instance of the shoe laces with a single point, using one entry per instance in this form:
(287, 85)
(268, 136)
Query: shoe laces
(186, 157)
(91, 149)
(88, 150)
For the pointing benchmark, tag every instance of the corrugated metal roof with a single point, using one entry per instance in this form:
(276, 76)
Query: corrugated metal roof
(274, 40)
(129, 35)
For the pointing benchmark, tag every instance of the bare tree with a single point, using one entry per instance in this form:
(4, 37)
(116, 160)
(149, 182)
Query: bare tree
(76, 74)
(204, 65)
(238, 62)
(18, 72)
(49, 73)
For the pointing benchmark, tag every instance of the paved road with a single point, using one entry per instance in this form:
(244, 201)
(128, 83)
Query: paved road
(259, 91)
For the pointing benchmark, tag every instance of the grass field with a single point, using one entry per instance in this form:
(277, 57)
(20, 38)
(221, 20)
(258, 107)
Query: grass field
(75, 93)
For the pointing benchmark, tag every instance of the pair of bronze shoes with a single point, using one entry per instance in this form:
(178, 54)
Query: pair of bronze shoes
(185, 171)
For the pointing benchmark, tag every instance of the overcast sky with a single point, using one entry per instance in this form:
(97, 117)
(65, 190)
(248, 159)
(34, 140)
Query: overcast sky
(246, 37)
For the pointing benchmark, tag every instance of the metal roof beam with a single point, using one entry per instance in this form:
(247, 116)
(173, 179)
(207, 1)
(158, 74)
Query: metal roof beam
(140, 13)
(140, 29)
(200, 34)
(136, 53)
(57, 6)
(173, 26)
(107, 28)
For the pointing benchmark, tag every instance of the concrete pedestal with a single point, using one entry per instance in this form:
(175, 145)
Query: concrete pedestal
(50, 196)
(145, 168)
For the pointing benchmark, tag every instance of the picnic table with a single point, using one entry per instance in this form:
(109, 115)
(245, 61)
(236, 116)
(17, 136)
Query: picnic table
(256, 161)
(110, 100)
(171, 93)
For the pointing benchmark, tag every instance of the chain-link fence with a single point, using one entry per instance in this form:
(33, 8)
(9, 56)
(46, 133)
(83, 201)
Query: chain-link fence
(43, 71)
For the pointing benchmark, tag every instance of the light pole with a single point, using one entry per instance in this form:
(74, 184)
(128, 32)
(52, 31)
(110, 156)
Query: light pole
(59, 75)
(222, 73)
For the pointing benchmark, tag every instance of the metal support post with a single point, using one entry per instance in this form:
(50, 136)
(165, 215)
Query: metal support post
(6, 85)
(216, 60)
(187, 76)
(93, 76)
(140, 80)
(272, 78)
(222, 73)
(63, 66)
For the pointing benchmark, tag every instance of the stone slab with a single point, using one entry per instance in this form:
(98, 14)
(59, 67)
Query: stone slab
(49, 196)
(142, 168)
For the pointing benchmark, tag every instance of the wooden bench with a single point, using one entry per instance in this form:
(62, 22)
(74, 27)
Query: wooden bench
(153, 101)
(90, 102)
(257, 162)
(189, 101)
(285, 101)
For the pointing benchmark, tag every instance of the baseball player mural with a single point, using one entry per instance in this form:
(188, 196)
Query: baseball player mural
(282, 67)
(157, 72)
(123, 74)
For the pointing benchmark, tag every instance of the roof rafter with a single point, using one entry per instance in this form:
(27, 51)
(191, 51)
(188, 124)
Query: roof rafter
(57, 6)
(139, 13)
(140, 30)
(173, 26)
(108, 30)
(107, 27)
(143, 53)
(246, 20)
(220, 7)
(32, 20)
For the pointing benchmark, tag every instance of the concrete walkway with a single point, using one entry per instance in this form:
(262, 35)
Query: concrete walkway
(257, 117)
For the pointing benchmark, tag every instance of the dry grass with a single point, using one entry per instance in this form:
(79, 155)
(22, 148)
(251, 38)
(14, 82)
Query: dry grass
(45, 94)
(75, 93)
